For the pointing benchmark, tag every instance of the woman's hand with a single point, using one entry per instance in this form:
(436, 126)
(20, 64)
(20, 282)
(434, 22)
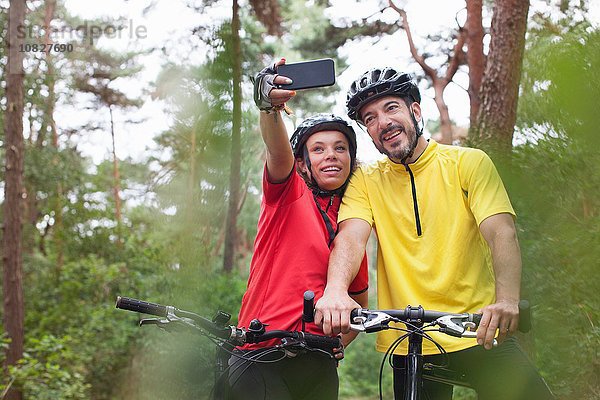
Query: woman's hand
(267, 96)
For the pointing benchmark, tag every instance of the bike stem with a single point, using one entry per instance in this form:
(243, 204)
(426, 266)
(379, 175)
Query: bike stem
(414, 357)
(414, 365)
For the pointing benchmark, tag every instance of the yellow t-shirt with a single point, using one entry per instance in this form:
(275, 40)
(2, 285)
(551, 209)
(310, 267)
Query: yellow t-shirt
(447, 267)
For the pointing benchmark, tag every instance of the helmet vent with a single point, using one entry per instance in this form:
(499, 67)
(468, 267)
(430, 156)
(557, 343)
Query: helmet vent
(375, 76)
(388, 74)
(363, 82)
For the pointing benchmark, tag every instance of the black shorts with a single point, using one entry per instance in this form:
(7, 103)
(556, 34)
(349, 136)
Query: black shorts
(304, 376)
(502, 373)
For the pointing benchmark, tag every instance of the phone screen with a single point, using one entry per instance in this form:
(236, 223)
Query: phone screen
(308, 74)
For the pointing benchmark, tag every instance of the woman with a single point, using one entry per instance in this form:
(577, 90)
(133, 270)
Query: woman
(302, 188)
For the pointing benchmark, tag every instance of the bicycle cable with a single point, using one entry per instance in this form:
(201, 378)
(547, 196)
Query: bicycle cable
(390, 349)
(229, 371)
(421, 331)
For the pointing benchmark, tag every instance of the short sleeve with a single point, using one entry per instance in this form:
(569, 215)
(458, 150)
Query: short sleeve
(279, 194)
(355, 203)
(360, 284)
(483, 186)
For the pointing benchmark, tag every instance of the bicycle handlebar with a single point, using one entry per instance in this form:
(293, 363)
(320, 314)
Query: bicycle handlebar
(233, 334)
(308, 310)
(317, 341)
(524, 317)
(173, 314)
(126, 303)
(450, 323)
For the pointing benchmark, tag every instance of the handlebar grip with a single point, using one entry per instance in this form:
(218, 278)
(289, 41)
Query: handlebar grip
(308, 312)
(322, 342)
(524, 317)
(126, 303)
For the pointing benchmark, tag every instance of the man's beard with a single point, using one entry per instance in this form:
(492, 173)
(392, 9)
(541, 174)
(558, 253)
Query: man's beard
(399, 151)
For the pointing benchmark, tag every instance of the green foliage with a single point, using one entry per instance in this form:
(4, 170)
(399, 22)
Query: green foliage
(45, 166)
(179, 364)
(88, 223)
(78, 346)
(555, 189)
(51, 369)
(71, 314)
(97, 72)
(359, 371)
(194, 181)
(305, 26)
(560, 240)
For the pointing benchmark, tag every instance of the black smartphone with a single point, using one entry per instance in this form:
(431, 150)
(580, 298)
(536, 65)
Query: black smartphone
(308, 74)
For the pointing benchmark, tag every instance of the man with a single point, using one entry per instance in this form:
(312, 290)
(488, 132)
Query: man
(446, 237)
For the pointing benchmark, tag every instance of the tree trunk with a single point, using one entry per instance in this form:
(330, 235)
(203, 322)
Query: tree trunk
(475, 55)
(236, 153)
(438, 81)
(14, 309)
(116, 178)
(500, 84)
(31, 212)
(221, 237)
(268, 12)
(445, 122)
(50, 104)
(192, 188)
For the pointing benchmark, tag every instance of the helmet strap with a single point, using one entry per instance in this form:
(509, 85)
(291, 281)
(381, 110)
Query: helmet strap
(418, 133)
(314, 186)
(332, 232)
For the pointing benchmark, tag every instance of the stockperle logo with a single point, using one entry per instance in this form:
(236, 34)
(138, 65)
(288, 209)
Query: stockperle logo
(32, 40)
(84, 32)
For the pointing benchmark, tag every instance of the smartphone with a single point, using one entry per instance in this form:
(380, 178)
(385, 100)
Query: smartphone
(308, 74)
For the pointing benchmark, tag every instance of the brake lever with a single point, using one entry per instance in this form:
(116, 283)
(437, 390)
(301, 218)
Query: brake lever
(160, 323)
(166, 324)
(456, 325)
(459, 326)
(374, 322)
(359, 323)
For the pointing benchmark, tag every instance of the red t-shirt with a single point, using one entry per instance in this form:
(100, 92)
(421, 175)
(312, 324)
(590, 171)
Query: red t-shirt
(291, 255)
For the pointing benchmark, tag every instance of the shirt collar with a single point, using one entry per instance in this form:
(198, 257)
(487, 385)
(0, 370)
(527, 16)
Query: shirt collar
(426, 157)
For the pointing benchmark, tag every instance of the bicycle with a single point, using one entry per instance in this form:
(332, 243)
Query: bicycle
(227, 337)
(418, 322)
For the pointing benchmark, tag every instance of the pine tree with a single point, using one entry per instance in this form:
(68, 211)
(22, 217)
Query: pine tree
(14, 309)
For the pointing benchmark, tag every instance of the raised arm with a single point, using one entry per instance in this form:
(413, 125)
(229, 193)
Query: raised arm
(333, 309)
(280, 159)
(500, 233)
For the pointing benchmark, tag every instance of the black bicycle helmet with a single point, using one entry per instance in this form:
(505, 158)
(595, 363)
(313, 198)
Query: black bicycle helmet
(376, 83)
(318, 123)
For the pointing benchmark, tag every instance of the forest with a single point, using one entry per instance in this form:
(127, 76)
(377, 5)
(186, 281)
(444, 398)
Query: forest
(172, 219)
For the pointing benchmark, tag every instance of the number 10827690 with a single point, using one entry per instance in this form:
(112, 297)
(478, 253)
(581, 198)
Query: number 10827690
(46, 48)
